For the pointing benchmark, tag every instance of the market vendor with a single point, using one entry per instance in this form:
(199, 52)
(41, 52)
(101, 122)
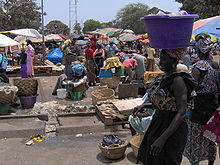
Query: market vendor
(129, 65)
(111, 49)
(76, 77)
(66, 52)
(3, 67)
(140, 69)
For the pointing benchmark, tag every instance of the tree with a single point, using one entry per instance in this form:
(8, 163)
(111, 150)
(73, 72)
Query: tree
(91, 25)
(57, 27)
(204, 8)
(20, 14)
(129, 17)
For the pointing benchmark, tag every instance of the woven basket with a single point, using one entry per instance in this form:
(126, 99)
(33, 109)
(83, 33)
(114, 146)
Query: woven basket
(111, 82)
(102, 95)
(26, 86)
(113, 152)
(136, 142)
(6, 98)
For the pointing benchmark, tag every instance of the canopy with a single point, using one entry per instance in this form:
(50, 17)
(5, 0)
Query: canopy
(22, 39)
(105, 31)
(209, 25)
(53, 37)
(81, 42)
(55, 56)
(127, 37)
(26, 32)
(6, 42)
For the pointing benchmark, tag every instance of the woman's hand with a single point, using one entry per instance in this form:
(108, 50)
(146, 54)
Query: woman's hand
(157, 146)
(136, 110)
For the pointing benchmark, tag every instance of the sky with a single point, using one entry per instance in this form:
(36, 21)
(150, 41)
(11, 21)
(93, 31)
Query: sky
(100, 10)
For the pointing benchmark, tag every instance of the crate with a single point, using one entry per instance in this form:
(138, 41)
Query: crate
(108, 120)
(123, 91)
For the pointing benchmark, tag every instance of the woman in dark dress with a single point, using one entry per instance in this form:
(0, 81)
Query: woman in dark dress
(165, 139)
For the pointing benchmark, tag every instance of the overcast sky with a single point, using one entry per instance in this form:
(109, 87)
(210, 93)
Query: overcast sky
(101, 10)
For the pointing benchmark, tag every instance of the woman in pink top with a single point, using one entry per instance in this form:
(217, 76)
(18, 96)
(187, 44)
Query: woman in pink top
(129, 65)
(29, 50)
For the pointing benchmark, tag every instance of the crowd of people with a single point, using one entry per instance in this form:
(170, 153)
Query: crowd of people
(185, 120)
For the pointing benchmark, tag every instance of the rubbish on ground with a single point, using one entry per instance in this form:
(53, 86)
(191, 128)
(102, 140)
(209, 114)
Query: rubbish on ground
(79, 135)
(35, 138)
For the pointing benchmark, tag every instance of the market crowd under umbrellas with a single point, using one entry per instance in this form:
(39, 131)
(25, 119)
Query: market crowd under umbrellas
(160, 87)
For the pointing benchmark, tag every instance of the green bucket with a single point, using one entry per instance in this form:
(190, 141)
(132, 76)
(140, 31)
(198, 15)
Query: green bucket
(4, 109)
(76, 95)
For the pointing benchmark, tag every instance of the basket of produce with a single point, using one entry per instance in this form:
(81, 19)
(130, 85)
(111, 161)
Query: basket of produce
(102, 95)
(136, 142)
(7, 93)
(26, 86)
(113, 147)
(111, 82)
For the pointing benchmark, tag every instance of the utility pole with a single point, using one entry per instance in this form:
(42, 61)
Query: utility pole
(42, 26)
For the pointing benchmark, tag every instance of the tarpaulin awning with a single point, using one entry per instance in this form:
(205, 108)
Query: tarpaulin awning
(8, 43)
(127, 37)
(26, 32)
(209, 25)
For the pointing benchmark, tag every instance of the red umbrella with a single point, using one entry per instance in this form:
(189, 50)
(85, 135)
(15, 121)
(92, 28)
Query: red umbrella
(65, 37)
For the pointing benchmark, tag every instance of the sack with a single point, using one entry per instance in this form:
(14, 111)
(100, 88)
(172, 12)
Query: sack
(205, 105)
(111, 139)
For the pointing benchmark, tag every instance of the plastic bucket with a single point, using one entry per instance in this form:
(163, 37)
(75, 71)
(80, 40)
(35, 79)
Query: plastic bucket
(168, 31)
(105, 73)
(4, 109)
(61, 93)
(28, 101)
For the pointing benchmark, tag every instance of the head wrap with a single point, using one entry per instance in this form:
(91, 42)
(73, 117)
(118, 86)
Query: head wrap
(203, 45)
(203, 65)
(176, 53)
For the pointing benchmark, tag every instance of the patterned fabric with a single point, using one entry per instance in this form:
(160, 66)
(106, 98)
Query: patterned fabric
(159, 98)
(212, 128)
(209, 82)
(198, 148)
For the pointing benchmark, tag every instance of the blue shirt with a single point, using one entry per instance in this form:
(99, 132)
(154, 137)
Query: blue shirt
(3, 61)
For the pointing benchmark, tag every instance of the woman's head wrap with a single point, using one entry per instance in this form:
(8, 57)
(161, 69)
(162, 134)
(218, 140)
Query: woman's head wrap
(203, 46)
(176, 53)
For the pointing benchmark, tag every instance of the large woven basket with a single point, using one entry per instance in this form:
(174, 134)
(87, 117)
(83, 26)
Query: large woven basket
(113, 152)
(111, 82)
(26, 86)
(102, 95)
(136, 142)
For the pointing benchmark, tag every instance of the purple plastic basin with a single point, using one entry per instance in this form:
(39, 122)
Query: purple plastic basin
(168, 31)
(28, 101)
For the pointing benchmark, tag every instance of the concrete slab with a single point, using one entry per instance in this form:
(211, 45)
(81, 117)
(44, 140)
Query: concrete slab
(21, 127)
(82, 125)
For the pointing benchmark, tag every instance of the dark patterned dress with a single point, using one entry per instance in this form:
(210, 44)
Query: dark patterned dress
(198, 147)
(165, 105)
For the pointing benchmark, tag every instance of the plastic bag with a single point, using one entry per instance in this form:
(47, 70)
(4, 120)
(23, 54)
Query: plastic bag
(111, 139)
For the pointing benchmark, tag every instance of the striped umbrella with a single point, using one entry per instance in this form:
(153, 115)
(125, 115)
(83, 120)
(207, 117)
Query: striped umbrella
(209, 25)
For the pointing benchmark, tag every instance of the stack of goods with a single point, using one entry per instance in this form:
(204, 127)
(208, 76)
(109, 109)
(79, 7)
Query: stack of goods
(27, 91)
(113, 147)
(7, 95)
(111, 73)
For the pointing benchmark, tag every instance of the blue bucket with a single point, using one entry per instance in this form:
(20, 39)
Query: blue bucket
(105, 73)
(169, 31)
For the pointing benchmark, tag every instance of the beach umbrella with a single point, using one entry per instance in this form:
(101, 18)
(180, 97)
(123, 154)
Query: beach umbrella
(127, 37)
(81, 42)
(22, 39)
(8, 43)
(53, 37)
(209, 25)
(26, 32)
(128, 31)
